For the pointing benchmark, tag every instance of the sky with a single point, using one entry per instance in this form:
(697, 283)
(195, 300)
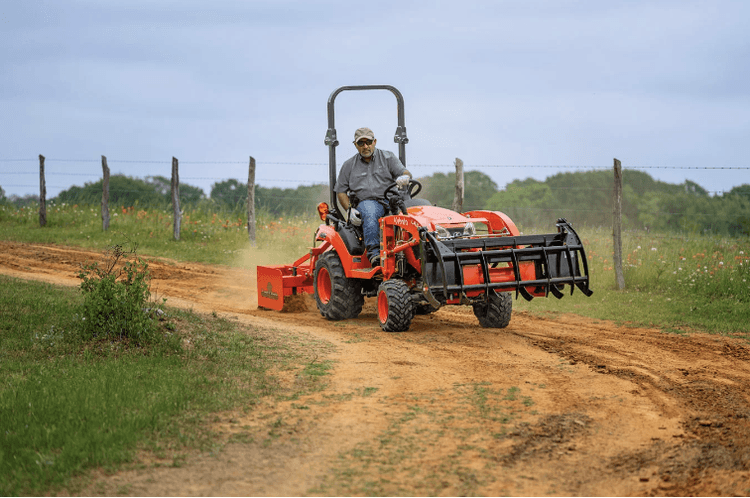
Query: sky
(515, 89)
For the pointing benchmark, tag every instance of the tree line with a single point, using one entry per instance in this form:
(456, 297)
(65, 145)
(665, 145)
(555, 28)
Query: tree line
(582, 197)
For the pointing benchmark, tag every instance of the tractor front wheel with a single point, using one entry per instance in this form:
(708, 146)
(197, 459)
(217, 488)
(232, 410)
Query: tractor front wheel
(337, 297)
(495, 313)
(395, 308)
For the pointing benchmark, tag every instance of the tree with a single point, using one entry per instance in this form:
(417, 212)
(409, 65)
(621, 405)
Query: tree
(189, 195)
(127, 191)
(439, 189)
(25, 201)
(527, 202)
(231, 194)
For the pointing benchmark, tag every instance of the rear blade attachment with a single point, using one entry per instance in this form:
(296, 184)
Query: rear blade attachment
(278, 281)
(540, 264)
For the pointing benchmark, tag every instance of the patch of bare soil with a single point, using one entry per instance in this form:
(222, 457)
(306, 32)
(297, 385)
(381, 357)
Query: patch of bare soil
(564, 406)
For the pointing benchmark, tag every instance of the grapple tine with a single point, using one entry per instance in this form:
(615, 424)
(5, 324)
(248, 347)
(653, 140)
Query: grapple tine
(555, 291)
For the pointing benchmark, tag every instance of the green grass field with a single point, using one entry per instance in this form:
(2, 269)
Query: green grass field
(675, 283)
(69, 405)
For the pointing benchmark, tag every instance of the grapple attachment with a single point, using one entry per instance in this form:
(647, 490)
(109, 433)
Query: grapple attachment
(460, 269)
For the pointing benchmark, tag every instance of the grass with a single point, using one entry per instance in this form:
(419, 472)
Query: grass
(206, 237)
(69, 405)
(676, 283)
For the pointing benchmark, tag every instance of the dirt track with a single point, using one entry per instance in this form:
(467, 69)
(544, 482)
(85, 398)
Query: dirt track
(570, 406)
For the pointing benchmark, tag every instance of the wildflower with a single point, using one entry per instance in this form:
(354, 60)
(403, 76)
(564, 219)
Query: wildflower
(653, 249)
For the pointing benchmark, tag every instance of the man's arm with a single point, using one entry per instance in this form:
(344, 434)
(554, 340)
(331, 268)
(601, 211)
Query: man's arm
(343, 200)
(395, 167)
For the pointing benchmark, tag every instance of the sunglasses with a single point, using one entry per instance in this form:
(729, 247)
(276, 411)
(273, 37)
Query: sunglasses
(364, 142)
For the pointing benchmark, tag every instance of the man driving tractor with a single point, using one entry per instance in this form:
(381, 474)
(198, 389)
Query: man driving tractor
(366, 175)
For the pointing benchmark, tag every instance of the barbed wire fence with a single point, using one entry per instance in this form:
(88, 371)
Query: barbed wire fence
(5, 173)
(15, 172)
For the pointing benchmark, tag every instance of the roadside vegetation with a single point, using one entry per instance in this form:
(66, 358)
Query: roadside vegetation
(74, 398)
(673, 282)
(583, 197)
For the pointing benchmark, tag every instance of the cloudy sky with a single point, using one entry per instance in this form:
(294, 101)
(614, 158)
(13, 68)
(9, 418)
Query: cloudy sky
(542, 85)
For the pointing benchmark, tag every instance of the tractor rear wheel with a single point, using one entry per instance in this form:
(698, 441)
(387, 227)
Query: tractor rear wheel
(337, 296)
(496, 313)
(395, 308)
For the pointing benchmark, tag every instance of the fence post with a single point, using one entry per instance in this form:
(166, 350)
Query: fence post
(251, 201)
(617, 226)
(176, 197)
(42, 194)
(458, 198)
(105, 194)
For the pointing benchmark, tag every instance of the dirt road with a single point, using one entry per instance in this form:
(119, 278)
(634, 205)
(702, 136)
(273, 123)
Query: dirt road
(570, 406)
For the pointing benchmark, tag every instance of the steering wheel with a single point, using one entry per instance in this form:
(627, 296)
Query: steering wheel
(412, 189)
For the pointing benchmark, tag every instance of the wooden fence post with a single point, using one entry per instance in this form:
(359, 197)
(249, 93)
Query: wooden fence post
(458, 198)
(251, 201)
(105, 194)
(42, 194)
(617, 226)
(176, 197)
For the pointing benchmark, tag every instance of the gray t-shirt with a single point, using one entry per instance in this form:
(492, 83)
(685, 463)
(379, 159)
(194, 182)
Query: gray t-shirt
(369, 180)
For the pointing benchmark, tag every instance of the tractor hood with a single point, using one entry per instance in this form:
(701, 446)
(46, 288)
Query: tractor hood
(429, 216)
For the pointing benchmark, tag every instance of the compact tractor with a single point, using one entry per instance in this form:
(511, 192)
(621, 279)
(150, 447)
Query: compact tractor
(430, 256)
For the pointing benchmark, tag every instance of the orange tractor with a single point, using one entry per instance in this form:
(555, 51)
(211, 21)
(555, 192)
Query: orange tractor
(430, 257)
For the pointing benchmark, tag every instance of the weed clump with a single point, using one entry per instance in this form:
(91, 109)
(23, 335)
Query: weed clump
(116, 297)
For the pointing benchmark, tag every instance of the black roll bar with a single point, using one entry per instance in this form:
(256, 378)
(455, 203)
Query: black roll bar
(331, 140)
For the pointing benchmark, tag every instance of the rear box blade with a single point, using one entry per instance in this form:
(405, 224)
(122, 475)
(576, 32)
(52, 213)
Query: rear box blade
(270, 288)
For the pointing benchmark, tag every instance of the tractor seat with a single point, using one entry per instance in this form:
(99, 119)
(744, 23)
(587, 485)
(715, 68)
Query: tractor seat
(417, 202)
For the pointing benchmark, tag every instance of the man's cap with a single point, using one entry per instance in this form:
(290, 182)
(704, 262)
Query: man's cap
(363, 133)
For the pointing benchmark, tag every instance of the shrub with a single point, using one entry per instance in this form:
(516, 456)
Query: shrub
(116, 297)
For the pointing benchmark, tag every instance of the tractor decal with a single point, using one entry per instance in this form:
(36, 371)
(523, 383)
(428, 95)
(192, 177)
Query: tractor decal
(269, 293)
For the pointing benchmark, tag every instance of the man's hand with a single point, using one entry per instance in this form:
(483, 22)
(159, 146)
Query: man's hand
(402, 181)
(355, 218)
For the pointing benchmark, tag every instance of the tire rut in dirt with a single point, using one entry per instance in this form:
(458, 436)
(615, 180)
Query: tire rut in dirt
(716, 412)
(337, 297)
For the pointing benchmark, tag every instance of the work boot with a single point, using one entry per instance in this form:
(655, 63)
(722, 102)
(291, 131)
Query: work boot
(375, 260)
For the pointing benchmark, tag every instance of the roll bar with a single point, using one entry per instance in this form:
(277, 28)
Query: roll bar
(331, 141)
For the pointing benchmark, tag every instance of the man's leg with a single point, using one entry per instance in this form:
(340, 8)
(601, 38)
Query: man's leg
(371, 211)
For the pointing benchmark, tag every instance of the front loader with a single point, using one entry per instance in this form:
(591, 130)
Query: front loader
(430, 256)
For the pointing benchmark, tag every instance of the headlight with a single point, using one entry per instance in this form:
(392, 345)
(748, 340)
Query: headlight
(442, 232)
(455, 231)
